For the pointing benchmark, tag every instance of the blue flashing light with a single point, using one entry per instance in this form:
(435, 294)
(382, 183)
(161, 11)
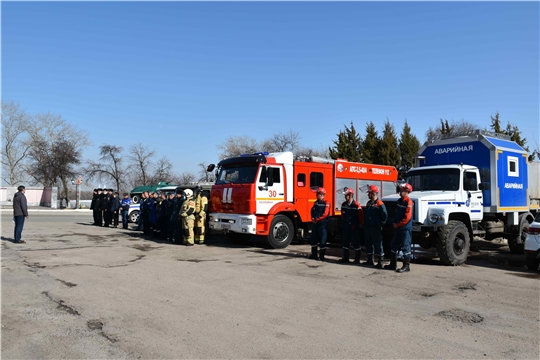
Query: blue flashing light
(264, 153)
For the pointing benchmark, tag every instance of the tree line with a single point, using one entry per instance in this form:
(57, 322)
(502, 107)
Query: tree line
(44, 149)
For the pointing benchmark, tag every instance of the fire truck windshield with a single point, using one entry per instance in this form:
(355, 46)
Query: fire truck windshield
(434, 179)
(237, 174)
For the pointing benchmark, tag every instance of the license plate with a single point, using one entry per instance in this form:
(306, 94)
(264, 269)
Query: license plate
(225, 226)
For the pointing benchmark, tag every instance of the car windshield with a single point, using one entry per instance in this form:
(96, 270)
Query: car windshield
(434, 179)
(237, 175)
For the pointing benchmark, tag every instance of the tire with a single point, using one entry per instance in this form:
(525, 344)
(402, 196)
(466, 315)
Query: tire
(532, 263)
(453, 243)
(238, 238)
(135, 199)
(281, 232)
(133, 217)
(517, 243)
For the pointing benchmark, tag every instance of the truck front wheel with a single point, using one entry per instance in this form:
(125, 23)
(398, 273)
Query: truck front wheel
(453, 243)
(281, 232)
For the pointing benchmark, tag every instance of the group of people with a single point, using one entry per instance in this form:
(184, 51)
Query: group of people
(106, 207)
(372, 219)
(178, 216)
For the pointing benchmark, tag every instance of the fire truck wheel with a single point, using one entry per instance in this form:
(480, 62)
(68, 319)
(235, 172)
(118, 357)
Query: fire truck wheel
(453, 243)
(281, 232)
(517, 243)
(238, 238)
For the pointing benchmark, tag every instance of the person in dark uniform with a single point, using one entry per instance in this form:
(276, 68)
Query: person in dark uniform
(352, 218)
(93, 205)
(403, 230)
(115, 209)
(175, 226)
(319, 218)
(375, 217)
(98, 211)
(106, 206)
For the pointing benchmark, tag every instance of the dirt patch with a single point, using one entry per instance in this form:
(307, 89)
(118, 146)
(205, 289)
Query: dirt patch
(144, 247)
(460, 315)
(94, 324)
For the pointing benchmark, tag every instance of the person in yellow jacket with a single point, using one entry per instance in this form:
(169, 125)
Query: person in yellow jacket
(201, 207)
(188, 217)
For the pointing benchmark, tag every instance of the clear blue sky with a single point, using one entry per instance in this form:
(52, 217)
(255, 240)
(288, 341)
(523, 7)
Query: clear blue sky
(183, 76)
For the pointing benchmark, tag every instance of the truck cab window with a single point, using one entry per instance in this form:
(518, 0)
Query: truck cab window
(469, 181)
(315, 179)
(301, 180)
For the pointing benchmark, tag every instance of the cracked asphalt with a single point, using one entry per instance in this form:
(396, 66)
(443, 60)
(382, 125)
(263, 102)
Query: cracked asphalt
(76, 291)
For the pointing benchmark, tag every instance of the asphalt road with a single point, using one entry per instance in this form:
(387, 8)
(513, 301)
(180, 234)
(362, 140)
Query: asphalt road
(78, 291)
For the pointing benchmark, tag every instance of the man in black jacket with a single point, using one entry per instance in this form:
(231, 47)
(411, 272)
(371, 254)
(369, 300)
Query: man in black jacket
(20, 212)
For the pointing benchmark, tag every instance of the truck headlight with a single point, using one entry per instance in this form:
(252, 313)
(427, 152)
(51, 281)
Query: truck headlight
(434, 218)
(245, 221)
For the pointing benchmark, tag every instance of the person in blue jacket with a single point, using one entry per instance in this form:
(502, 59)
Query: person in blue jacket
(375, 216)
(124, 204)
(319, 217)
(403, 230)
(352, 218)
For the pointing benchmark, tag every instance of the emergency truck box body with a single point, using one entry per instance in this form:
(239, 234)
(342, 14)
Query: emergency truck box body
(502, 164)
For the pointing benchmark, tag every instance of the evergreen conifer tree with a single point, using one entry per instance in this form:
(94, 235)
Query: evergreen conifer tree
(408, 147)
(371, 144)
(388, 148)
(348, 145)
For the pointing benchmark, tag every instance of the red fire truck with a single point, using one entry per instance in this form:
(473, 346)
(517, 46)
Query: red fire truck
(271, 195)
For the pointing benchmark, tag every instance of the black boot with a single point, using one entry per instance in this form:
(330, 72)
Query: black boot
(379, 262)
(357, 256)
(313, 253)
(369, 261)
(405, 267)
(321, 254)
(345, 258)
(393, 262)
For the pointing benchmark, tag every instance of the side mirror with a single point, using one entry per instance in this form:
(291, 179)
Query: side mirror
(483, 186)
(210, 167)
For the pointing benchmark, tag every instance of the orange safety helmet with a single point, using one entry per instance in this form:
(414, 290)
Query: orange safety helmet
(407, 187)
(373, 189)
(321, 191)
(348, 191)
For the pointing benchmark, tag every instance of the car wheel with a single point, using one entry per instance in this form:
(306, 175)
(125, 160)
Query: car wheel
(134, 217)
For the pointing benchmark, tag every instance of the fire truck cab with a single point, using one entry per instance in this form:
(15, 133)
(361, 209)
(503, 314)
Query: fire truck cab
(271, 195)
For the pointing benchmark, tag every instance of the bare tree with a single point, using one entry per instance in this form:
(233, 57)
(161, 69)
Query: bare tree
(282, 142)
(14, 146)
(184, 178)
(452, 127)
(161, 171)
(140, 157)
(55, 147)
(111, 165)
(309, 151)
(237, 145)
